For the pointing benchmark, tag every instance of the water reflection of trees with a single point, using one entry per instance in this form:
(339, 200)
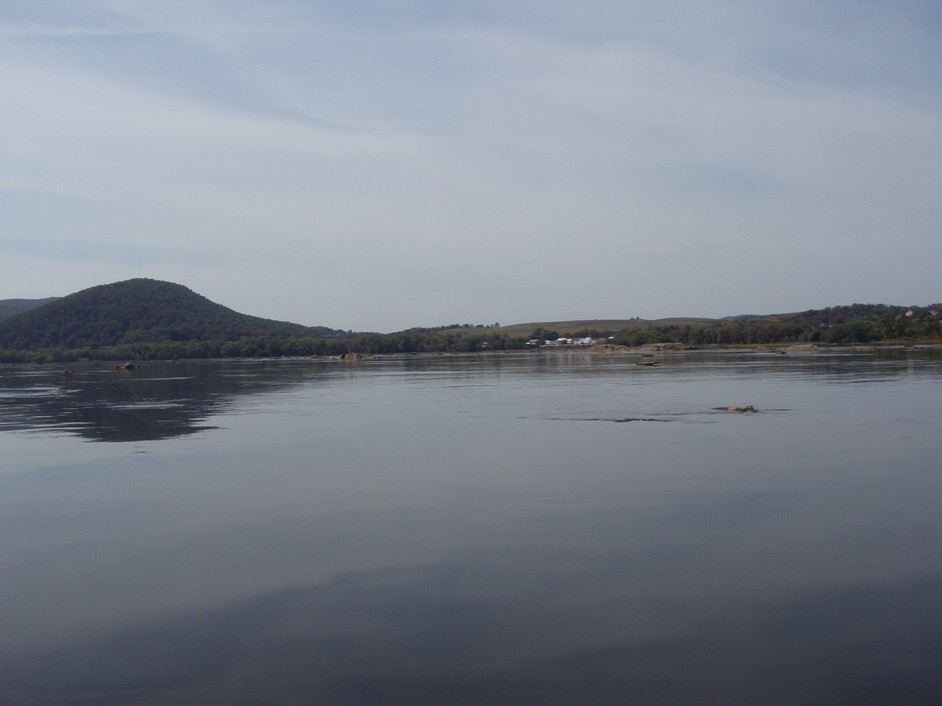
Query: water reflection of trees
(151, 402)
(859, 366)
(834, 364)
(173, 399)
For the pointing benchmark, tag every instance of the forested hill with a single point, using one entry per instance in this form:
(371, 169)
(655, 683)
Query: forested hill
(833, 315)
(137, 311)
(144, 319)
(12, 307)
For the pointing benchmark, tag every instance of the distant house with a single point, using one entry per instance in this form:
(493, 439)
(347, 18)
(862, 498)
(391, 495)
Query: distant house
(563, 341)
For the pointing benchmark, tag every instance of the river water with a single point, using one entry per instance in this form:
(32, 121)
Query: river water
(543, 528)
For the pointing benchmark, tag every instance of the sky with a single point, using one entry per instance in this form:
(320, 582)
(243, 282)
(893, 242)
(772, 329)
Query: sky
(375, 166)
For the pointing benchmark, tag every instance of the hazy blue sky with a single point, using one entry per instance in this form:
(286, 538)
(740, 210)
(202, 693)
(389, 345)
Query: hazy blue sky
(378, 165)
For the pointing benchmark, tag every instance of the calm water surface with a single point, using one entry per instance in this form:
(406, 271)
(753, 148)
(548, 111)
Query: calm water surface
(531, 529)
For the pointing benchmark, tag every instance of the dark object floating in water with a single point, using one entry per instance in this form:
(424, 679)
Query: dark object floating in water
(609, 419)
(617, 421)
(747, 408)
(647, 362)
(124, 366)
(64, 373)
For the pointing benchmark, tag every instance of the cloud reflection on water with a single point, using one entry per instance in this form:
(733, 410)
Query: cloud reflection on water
(437, 532)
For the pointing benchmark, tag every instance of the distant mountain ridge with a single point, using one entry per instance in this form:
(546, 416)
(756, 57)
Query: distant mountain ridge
(12, 307)
(136, 311)
(146, 319)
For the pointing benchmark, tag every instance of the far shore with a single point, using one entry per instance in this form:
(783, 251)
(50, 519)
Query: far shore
(647, 350)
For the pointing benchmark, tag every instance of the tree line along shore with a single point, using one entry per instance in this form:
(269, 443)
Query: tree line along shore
(821, 328)
(145, 319)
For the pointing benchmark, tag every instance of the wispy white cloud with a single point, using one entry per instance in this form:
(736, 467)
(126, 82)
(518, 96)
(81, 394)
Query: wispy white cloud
(30, 30)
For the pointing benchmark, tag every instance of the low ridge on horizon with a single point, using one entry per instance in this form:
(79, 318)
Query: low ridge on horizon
(10, 308)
